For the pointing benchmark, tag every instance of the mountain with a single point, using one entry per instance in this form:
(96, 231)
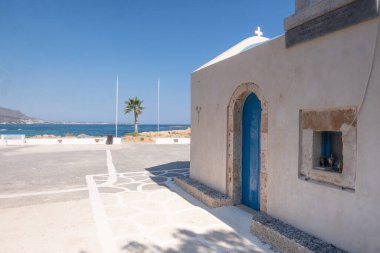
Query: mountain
(9, 116)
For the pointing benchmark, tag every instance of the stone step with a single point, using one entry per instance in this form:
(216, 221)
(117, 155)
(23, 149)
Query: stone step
(287, 238)
(203, 193)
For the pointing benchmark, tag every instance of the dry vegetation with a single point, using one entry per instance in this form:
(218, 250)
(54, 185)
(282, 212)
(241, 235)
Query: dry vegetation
(151, 136)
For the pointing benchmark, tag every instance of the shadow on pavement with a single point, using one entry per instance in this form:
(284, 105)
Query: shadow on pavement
(160, 173)
(169, 166)
(188, 241)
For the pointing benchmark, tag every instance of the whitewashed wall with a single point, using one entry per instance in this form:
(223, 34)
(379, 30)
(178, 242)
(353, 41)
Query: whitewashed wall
(327, 72)
(172, 140)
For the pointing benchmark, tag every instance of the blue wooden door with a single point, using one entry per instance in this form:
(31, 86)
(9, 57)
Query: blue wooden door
(251, 152)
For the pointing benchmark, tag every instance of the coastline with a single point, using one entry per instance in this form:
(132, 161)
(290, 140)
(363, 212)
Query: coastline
(47, 131)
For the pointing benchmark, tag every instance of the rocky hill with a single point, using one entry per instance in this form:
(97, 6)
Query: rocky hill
(9, 116)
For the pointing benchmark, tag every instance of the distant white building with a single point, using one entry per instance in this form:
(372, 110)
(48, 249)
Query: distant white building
(290, 126)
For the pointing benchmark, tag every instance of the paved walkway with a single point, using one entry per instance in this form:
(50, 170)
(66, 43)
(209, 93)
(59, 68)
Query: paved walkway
(146, 212)
(108, 199)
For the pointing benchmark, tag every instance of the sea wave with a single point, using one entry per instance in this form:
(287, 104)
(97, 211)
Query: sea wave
(2, 130)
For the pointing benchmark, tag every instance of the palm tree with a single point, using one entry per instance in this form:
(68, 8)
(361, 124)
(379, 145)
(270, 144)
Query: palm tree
(134, 104)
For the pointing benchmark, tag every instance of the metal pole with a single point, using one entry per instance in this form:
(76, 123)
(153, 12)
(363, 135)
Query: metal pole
(117, 102)
(158, 107)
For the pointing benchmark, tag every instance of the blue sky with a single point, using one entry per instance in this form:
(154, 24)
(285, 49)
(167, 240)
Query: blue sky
(59, 59)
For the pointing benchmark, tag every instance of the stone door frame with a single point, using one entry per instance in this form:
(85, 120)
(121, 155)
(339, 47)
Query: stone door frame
(234, 143)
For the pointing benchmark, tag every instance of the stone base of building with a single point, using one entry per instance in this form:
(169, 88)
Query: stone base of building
(287, 238)
(203, 193)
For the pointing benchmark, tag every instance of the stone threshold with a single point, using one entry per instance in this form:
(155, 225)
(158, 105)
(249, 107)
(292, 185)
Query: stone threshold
(287, 238)
(203, 193)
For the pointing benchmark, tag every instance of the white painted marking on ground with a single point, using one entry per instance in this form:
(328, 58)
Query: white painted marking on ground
(104, 232)
(31, 194)
(142, 172)
(111, 170)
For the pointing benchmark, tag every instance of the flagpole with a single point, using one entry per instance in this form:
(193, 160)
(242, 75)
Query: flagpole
(158, 107)
(117, 103)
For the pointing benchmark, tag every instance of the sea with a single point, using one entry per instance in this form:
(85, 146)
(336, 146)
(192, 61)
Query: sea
(88, 129)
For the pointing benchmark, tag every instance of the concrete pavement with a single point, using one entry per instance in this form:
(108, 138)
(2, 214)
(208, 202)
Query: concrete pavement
(88, 199)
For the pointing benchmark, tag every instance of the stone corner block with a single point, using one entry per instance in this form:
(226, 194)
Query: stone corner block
(203, 193)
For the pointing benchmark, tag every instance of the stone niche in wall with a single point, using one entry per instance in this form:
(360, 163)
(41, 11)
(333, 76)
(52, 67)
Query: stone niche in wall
(328, 146)
(314, 18)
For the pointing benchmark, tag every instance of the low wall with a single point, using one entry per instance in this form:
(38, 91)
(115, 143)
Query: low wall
(58, 141)
(172, 140)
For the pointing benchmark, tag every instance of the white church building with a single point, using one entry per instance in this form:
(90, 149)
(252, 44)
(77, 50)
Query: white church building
(290, 126)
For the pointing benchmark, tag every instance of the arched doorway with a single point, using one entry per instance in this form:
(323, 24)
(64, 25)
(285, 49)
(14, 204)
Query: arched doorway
(250, 176)
(235, 130)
